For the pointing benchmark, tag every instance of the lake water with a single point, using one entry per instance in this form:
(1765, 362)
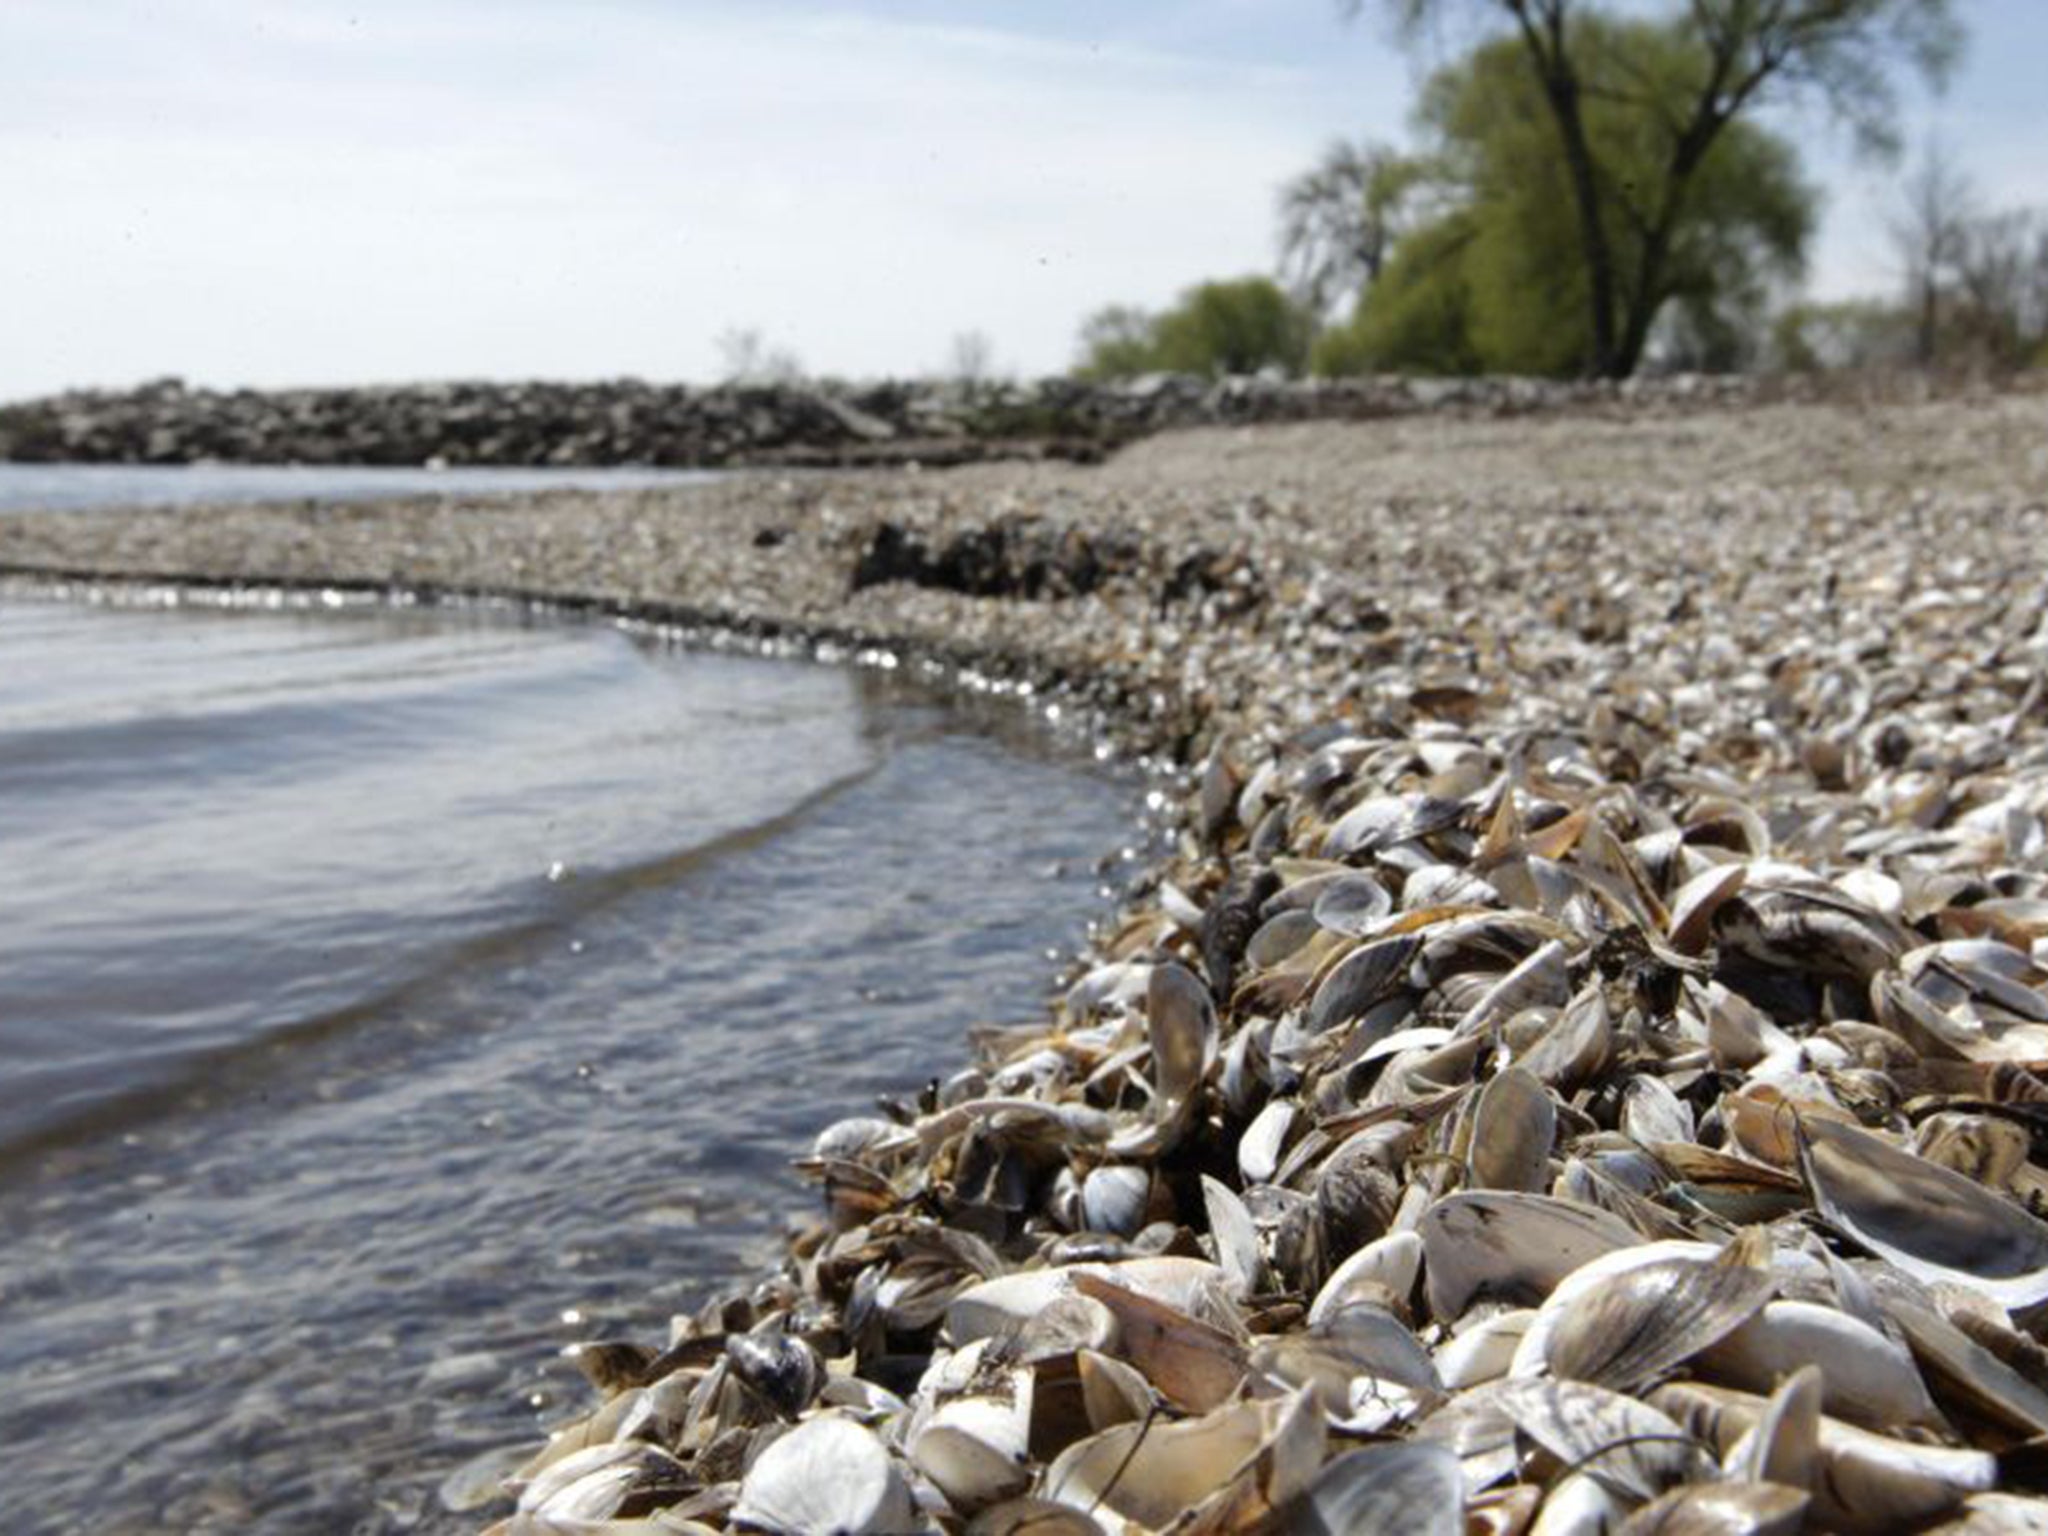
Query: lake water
(390, 997)
(97, 487)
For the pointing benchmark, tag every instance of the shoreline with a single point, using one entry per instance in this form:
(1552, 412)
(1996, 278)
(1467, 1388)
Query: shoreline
(1531, 683)
(948, 667)
(792, 424)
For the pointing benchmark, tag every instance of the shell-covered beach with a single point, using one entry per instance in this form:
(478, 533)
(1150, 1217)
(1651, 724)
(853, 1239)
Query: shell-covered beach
(1583, 1064)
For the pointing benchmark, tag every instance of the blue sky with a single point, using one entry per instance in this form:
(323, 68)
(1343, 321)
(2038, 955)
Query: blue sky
(302, 191)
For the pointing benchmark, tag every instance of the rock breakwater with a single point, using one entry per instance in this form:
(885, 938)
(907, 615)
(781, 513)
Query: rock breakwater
(628, 422)
(1582, 1065)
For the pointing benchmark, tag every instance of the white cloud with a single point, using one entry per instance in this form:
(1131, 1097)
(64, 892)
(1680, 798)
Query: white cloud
(310, 190)
(274, 191)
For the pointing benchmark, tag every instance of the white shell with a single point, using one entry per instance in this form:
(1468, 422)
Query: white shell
(1508, 1246)
(972, 1435)
(1577, 1505)
(1868, 1378)
(827, 1474)
(1258, 1151)
(1651, 1112)
(1933, 1223)
(1236, 1235)
(1114, 1197)
(1010, 1300)
(1144, 1476)
(1484, 1351)
(1535, 1346)
(1380, 1490)
(1874, 1483)
(572, 1469)
(1392, 1261)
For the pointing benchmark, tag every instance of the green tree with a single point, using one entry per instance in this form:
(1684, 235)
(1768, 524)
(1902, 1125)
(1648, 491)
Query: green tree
(1215, 328)
(1417, 318)
(1497, 284)
(1239, 326)
(1733, 56)
(1116, 343)
(1340, 219)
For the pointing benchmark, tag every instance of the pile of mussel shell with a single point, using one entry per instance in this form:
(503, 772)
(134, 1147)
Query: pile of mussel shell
(1551, 1128)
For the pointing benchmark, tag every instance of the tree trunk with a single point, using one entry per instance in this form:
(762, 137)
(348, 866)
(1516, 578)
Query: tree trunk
(1648, 295)
(1543, 34)
(1578, 158)
(1924, 344)
(1642, 314)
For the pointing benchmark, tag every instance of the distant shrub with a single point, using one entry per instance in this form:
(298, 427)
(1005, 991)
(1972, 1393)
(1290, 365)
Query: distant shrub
(1246, 325)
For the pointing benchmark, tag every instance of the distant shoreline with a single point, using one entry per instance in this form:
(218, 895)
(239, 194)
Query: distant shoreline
(628, 423)
(1031, 572)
